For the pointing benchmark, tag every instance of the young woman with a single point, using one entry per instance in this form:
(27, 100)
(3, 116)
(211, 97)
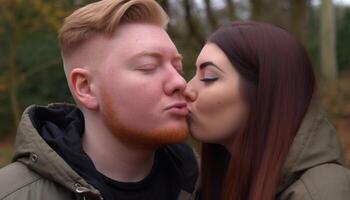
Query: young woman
(265, 136)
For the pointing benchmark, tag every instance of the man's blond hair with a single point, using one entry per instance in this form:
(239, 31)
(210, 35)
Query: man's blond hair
(104, 17)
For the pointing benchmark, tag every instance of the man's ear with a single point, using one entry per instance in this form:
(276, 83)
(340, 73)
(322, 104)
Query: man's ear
(83, 88)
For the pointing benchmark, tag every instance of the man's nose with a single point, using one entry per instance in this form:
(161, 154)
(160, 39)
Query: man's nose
(175, 83)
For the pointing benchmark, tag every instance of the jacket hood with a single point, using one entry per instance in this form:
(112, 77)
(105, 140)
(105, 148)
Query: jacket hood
(33, 151)
(315, 143)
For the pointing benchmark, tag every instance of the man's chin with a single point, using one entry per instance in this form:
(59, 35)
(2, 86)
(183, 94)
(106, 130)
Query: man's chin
(175, 132)
(170, 136)
(151, 139)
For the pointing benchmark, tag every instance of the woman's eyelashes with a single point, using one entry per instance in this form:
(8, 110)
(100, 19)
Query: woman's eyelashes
(208, 71)
(207, 75)
(209, 79)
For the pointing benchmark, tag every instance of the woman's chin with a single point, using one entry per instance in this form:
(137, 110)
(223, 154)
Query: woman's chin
(195, 135)
(198, 136)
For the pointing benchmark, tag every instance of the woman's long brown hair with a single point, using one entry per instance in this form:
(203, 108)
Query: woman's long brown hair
(278, 84)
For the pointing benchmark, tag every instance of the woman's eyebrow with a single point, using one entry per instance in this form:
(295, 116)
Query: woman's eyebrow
(209, 63)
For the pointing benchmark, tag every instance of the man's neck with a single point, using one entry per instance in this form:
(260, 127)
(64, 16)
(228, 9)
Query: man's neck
(113, 158)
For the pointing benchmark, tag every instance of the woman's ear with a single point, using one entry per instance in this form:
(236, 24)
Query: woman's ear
(82, 88)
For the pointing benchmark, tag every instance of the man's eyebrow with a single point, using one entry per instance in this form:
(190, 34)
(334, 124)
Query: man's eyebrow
(147, 53)
(209, 63)
(154, 54)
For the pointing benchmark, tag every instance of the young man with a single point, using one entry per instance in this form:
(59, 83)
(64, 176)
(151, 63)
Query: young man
(119, 142)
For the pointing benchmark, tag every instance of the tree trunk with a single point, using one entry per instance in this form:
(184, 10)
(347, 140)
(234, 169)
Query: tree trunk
(191, 25)
(231, 9)
(15, 106)
(211, 16)
(298, 17)
(10, 17)
(328, 42)
(257, 6)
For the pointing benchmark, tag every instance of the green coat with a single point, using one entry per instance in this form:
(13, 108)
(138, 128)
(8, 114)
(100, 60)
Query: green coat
(38, 172)
(314, 169)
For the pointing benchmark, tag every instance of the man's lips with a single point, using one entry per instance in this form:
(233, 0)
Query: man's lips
(178, 108)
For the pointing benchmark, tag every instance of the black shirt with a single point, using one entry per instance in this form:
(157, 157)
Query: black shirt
(156, 186)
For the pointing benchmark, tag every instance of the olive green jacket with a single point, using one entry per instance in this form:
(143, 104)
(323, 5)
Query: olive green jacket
(38, 172)
(314, 169)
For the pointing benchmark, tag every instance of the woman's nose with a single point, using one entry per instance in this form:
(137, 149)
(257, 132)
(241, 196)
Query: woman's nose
(190, 93)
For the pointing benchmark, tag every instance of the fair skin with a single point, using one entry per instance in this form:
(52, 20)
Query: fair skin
(130, 90)
(215, 100)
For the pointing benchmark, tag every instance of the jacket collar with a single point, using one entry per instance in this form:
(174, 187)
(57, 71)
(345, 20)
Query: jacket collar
(316, 143)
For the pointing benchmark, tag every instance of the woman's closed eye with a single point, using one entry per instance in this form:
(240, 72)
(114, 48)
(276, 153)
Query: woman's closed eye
(209, 72)
(209, 78)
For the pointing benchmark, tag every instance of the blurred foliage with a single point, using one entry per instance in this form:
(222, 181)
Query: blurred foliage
(29, 57)
(337, 98)
(337, 102)
(343, 34)
(31, 68)
(6, 152)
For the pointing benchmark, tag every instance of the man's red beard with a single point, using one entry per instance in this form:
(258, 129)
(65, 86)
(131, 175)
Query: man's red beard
(139, 138)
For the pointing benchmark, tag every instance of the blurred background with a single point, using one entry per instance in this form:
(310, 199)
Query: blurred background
(31, 69)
